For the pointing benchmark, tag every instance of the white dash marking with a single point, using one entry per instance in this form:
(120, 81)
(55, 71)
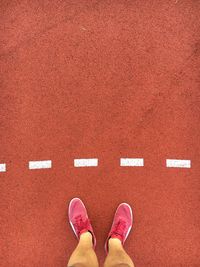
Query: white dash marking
(2, 167)
(85, 162)
(178, 163)
(43, 164)
(132, 162)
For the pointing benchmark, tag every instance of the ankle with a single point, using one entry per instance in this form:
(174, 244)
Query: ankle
(86, 235)
(114, 243)
(86, 239)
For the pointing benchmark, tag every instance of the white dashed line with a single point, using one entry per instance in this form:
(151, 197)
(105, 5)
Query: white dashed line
(85, 162)
(2, 167)
(178, 163)
(132, 162)
(43, 164)
(93, 162)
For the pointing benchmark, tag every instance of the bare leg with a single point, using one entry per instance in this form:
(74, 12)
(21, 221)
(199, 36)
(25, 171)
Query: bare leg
(117, 256)
(84, 254)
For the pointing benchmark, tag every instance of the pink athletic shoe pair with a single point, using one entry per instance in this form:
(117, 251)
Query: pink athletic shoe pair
(80, 223)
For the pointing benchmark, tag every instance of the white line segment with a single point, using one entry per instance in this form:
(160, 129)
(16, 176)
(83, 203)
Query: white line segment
(43, 164)
(178, 163)
(85, 162)
(132, 162)
(2, 167)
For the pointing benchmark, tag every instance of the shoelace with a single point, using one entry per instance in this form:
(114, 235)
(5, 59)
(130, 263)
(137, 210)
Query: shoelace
(119, 228)
(80, 224)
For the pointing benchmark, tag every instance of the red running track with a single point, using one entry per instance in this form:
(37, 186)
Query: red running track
(101, 79)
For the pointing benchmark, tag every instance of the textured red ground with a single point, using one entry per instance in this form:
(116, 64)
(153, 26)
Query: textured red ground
(105, 79)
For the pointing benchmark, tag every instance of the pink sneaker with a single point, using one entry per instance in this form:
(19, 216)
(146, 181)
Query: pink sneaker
(122, 224)
(78, 219)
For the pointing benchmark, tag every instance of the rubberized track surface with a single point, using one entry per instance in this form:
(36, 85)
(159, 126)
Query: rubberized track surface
(99, 79)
